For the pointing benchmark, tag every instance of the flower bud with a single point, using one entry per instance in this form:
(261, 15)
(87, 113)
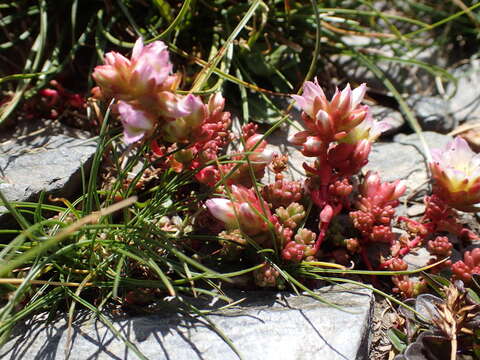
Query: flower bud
(222, 209)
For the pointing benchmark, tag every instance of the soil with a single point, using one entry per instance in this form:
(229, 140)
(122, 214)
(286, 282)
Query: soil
(384, 318)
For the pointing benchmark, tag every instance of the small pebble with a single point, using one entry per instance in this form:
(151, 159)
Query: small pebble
(416, 210)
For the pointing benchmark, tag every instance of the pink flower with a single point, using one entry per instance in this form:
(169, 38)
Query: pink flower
(114, 77)
(456, 172)
(311, 145)
(216, 103)
(258, 159)
(327, 121)
(381, 194)
(151, 63)
(244, 210)
(135, 122)
(167, 104)
(368, 129)
(184, 128)
(141, 78)
(260, 155)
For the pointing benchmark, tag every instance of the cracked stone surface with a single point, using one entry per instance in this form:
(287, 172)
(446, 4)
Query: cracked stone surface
(266, 326)
(47, 158)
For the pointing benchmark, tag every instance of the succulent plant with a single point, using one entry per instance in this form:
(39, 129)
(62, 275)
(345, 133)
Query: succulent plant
(233, 243)
(283, 193)
(268, 276)
(301, 247)
(291, 216)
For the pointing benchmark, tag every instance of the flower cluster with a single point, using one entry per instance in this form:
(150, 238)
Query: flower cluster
(339, 134)
(456, 175)
(376, 207)
(327, 121)
(283, 193)
(186, 133)
(144, 87)
(343, 120)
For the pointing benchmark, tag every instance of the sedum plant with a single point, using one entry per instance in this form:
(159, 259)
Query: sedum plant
(186, 134)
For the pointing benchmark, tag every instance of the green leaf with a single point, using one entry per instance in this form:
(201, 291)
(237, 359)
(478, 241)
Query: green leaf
(436, 282)
(473, 295)
(397, 338)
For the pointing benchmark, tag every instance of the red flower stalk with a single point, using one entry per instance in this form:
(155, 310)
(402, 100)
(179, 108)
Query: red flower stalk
(328, 194)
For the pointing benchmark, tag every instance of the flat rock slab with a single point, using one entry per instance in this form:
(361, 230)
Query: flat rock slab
(266, 326)
(405, 158)
(47, 158)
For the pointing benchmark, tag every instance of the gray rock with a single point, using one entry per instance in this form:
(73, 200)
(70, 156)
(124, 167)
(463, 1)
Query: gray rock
(416, 210)
(42, 159)
(417, 258)
(465, 103)
(392, 117)
(264, 327)
(405, 77)
(404, 158)
(420, 257)
(432, 112)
